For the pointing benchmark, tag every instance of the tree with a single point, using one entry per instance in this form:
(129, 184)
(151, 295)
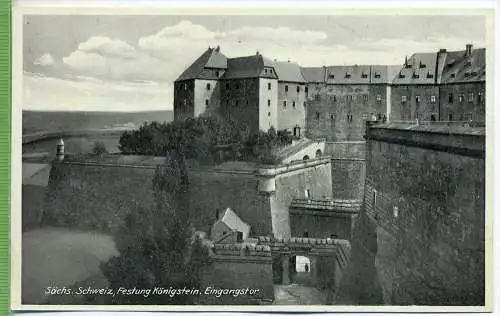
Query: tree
(156, 247)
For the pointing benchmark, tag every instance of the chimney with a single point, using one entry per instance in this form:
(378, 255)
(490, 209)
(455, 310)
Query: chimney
(217, 49)
(217, 214)
(468, 50)
(406, 61)
(442, 50)
(60, 150)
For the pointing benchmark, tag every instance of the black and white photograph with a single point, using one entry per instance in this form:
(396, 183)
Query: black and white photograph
(267, 160)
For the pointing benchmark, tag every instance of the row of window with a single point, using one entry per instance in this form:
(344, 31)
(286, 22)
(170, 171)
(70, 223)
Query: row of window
(347, 75)
(284, 104)
(470, 99)
(350, 98)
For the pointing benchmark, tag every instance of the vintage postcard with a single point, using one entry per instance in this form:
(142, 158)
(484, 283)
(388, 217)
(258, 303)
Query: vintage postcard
(227, 158)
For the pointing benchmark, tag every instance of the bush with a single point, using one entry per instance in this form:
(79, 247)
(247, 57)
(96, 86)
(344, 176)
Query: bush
(99, 148)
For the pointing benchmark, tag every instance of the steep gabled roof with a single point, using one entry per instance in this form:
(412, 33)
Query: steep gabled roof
(462, 68)
(288, 71)
(234, 222)
(211, 58)
(313, 74)
(420, 69)
(355, 74)
(249, 67)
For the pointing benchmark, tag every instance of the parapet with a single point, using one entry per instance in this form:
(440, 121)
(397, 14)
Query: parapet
(242, 249)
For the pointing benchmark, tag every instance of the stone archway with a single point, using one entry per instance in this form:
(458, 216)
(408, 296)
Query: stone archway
(306, 157)
(318, 153)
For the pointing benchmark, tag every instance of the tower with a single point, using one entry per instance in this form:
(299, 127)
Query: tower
(60, 149)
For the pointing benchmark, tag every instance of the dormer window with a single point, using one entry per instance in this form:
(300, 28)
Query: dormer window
(364, 75)
(401, 75)
(331, 76)
(421, 65)
(467, 74)
(265, 71)
(415, 75)
(453, 75)
(468, 63)
(347, 75)
(474, 73)
(429, 75)
(208, 86)
(377, 75)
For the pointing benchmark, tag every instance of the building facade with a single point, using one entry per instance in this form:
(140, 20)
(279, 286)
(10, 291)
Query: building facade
(333, 102)
(341, 98)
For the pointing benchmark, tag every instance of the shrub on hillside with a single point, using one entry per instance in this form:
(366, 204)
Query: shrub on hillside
(99, 148)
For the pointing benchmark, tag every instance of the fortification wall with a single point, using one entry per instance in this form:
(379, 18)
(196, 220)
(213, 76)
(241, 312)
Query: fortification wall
(348, 178)
(96, 197)
(346, 149)
(210, 190)
(427, 201)
(232, 267)
(315, 177)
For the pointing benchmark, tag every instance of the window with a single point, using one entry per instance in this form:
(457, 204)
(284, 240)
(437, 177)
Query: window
(307, 193)
(332, 117)
(227, 85)
(237, 85)
(450, 117)
(293, 104)
(306, 90)
(480, 95)
(374, 197)
(185, 86)
(305, 104)
(239, 238)
(347, 75)
(317, 115)
(305, 235)
(286, 88)
(269, 86)
(403, 98)
(415, 75)
(185, 102)
(208, 86)
(227, 102)
(206, 102)
(247, 102)
(236, 102)
(377, 74)
(450, 97)
(395, 211)
(421, 65)
(379, 98)
(334, 98)
(471, 97)
(429, 75)
(284, 104)
(365, 97)
(268, 113)
(433, 99)
(317, 97)
(298, 88)
(461, 98)
(265, 71)
(401, 76)
(349, 98)
(364, 75)
(331, 76)
(268, 102)
(217, 74)
(453, 75)
(417, 99)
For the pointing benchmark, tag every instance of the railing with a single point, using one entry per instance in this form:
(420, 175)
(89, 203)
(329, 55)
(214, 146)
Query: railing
(348, 206)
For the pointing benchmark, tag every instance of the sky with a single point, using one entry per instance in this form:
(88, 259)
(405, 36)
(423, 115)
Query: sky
(129, 63)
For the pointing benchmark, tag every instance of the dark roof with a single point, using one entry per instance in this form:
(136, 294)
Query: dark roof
(353, 74)
(313, 74)
(461, 68)
(211, 58)
(420, 69)
(249, 67)
(288, 71)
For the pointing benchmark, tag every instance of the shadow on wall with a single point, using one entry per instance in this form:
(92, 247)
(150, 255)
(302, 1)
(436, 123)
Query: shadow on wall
(360, 284)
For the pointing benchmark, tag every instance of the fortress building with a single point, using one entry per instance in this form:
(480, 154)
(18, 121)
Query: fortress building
(333, 102)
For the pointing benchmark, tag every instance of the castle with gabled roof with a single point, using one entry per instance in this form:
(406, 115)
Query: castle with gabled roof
(332, 102)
